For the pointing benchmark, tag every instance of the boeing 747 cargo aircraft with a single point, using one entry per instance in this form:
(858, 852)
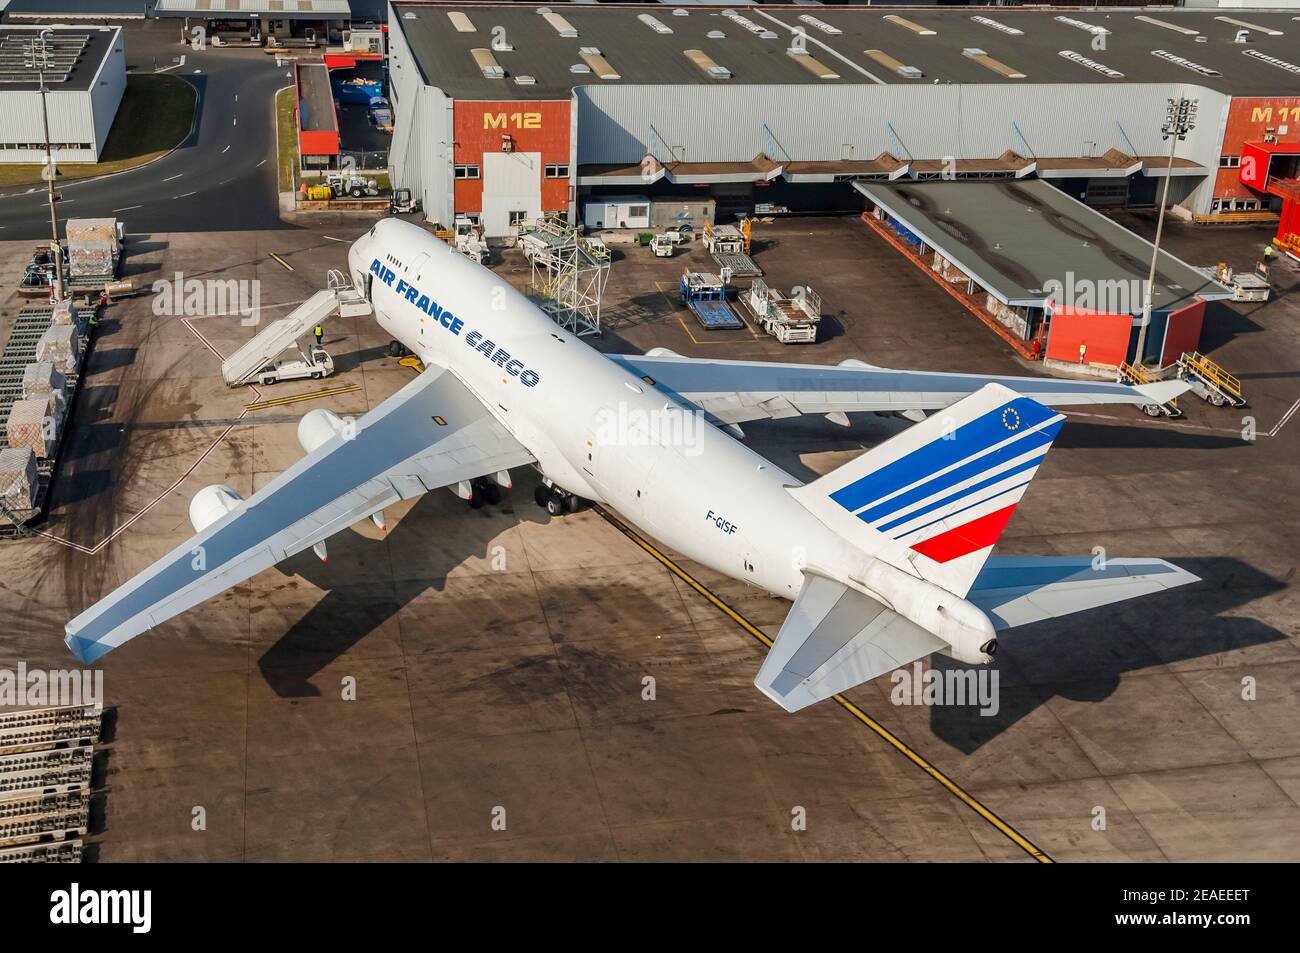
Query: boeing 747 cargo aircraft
(886, 559)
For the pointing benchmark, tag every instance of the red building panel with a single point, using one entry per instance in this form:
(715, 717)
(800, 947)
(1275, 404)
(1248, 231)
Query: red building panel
(1248, 119)
(527, 126)
(1183, 332)
(1103, 336)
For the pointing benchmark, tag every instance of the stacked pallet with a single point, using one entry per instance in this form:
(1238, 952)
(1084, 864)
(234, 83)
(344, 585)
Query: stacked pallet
(35, 424)
(18, 478)
(42, 378)
(60, 346)
(93, 248)
(46, 782)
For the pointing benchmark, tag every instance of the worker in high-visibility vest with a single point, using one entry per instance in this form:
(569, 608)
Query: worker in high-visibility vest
(319, 332)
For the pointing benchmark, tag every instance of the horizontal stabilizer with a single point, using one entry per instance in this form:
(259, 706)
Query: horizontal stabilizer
(833, 639)
(1017, 590)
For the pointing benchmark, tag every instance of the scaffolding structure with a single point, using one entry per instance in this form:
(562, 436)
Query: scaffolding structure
(568, 272)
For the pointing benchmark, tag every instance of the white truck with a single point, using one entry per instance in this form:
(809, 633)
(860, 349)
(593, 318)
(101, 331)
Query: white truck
(790, 319)
(662, 246)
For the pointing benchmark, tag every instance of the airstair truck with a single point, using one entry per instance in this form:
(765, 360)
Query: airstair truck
(256, 360)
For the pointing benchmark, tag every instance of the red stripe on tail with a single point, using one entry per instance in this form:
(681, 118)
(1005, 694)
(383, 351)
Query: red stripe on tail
(967, 538)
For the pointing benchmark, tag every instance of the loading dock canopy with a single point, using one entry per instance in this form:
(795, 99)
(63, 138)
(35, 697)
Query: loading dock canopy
(271, 9)
(1013, 238)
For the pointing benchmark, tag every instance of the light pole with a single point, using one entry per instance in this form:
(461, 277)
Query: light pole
(1180, 119)
(38, 58)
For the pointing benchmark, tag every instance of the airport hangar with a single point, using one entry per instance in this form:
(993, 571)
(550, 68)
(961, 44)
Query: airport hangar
(85, 80)
(507, 112)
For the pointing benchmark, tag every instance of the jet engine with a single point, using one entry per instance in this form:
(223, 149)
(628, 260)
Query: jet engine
(210, 504)
(318, 427)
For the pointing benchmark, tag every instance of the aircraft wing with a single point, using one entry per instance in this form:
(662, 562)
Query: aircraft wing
(834, 638)
(1017, 590)
(430, 434)
(736, 391)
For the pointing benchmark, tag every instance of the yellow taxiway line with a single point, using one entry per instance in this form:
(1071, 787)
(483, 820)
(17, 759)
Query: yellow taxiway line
(295, 398)
(287, 266)
(884, 733)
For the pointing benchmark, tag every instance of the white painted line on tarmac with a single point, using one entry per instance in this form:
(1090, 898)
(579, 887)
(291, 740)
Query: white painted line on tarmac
(225, 150)
(176, 176)
(185, 196)
(260, 164)
(1285, 417)
(127, 208)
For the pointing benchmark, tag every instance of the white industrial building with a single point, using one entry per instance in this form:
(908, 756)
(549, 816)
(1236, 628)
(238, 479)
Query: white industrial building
(505, 112)
(85, 78)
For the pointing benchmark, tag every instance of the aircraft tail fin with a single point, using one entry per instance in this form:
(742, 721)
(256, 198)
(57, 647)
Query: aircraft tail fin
(934, 499)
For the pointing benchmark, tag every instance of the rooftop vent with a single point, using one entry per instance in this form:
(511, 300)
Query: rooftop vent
(812, 64)
(907, 24)
(749, 25)
(1084, 25)
(716, 35)
(706, 62)
(995, 25)
(579, 68)
(525, 81)
(1272, 61)
(653, 23)
(487, 63)
(679, 12)
(1250, 26)
(408, 15)
(1091, 64)
(561, 25)
(820, 24)
(596, 60)
(460, 21)
(988, 62)
(1185, 31)
(889, 62)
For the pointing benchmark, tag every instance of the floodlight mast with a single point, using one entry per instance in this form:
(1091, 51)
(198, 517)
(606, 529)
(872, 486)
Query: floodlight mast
(37, 57)
(1180, 119)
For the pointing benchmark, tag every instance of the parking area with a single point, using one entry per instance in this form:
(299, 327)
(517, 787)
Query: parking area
(470, 665)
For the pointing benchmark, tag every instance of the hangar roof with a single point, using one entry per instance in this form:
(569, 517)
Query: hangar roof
(76, 54)
(647, 44)
(1015, 237)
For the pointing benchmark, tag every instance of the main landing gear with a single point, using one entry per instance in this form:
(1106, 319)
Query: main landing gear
(555, 500)
(484, 491)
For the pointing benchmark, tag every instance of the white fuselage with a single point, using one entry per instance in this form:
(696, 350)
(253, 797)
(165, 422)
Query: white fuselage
(595, 429)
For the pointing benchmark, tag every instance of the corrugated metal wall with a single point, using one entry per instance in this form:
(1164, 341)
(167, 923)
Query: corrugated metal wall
(420, 156)
(106, 94)
(71, 120)
(725, 123)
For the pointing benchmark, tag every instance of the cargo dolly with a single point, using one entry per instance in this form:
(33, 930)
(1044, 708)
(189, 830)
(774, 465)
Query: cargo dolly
(706, 296)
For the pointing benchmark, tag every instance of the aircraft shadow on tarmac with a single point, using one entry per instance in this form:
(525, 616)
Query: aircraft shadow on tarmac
(334, 624)
(1082, 657)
